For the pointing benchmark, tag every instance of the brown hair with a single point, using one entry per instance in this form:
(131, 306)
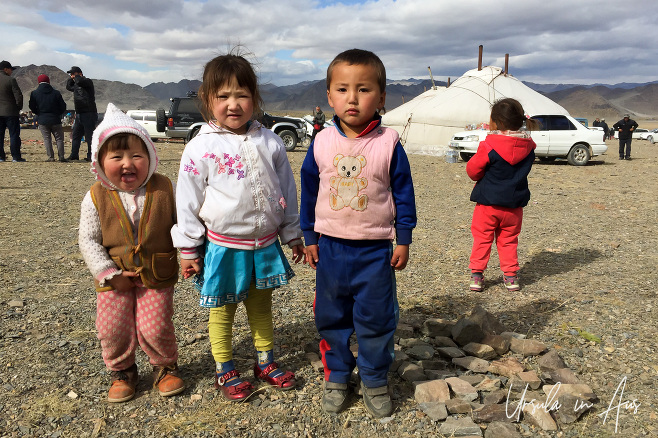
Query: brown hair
(508, 115)
(219, 71)
(118, 142)
(360, 57)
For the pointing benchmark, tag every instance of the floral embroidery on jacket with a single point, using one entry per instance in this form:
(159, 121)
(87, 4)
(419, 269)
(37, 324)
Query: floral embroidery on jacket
(191, 168)
(230, 165)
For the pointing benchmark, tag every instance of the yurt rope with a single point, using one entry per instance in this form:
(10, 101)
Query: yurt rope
(405, 130)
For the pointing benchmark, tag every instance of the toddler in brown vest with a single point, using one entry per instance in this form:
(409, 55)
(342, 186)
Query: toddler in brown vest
(124, 238)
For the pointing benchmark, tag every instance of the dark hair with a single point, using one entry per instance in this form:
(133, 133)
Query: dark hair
(219, 71)
(508, 115)
(360, 57)
(119, 142)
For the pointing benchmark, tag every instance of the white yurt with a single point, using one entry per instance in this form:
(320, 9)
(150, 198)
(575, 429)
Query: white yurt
(427, 123)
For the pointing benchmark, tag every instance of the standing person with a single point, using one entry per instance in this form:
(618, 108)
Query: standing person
(48, 106)
(357, 196)
(625, 126)
(86, 115)
(606, 129)
(500, 168)
(237, 198)
(131, 258)
(11, 103)
(318, 122)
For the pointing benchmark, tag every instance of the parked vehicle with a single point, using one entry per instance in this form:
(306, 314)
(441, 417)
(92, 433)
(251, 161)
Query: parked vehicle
(308, 121)
(146, 118)
(641, 133)
(184, 113)
(560, 137)
(292, 130)
(652, 137)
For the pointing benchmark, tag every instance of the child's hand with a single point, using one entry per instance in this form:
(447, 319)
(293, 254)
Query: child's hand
(400, 257)
(312, 255)
(190, 267)
(299, 253)
(123, 282)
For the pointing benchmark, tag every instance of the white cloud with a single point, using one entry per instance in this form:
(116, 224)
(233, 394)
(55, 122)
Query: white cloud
(584, 41)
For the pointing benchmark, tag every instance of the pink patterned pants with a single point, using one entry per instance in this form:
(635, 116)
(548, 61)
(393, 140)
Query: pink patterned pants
(141, 315)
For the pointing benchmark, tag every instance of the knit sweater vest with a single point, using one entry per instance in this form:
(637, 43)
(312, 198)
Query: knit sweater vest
(152, 255)
(354, 197)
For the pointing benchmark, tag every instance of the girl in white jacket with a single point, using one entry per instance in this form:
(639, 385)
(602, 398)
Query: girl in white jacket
(236, 199)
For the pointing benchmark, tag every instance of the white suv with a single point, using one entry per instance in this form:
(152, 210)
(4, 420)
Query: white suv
(560, 136)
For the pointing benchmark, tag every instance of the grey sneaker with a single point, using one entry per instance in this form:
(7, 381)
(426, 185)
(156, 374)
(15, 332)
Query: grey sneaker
(377, 401)
(334, 398)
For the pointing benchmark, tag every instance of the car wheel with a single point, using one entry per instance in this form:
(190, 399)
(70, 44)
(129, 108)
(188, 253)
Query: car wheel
(192, 133)
(160, 120)
(289, 139)
(547, 159)
(578, 155)
(306, 142)
(465, 156)
(650, 138)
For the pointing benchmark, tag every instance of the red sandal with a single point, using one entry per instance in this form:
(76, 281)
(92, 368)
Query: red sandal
(238, 392)
(285, 382)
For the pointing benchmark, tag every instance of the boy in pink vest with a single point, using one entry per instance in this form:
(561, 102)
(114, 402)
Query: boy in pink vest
(357, 196)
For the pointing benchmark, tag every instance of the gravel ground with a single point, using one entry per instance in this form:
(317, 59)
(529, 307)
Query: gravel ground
(588, 253)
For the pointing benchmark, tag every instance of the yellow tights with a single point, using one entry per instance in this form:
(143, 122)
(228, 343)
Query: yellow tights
(259, 314)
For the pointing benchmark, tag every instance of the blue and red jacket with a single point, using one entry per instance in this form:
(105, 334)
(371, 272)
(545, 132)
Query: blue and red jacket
(501, 166)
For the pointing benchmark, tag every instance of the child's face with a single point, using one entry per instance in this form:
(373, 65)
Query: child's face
(127, 169)
(232, 107)
(355, 96)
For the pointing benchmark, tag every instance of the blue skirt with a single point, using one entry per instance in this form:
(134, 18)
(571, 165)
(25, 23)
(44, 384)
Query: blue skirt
(227, 273)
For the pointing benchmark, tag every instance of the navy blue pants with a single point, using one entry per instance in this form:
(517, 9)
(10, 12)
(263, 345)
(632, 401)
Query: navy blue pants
(85, 123)
(627, 144)
(12, 124)
(356, 292)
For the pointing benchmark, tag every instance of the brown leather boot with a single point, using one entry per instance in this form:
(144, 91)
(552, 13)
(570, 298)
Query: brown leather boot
(123, 385)
(167, 380)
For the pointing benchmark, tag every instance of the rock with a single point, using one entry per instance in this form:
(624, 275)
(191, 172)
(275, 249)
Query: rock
(473, 379)
(501, 430)
(450, 352)
(466, 330)
(433, 364)
(437, 327)
(551, 361)
(315, 361)
(530, 378)
(455, 427)
(538, 416)
(16, 302)
(435, 410)
(411, 342)
(527, 347)
(488, 384)
(499, 343)
(507, 366)
(482, 351)
(471, 363)
(495, 397)
(421, 352)
(458, 406)
(571, 408)
(462, 389)
(444, 341)
(354, 348)
(411, 372)
(196, 397)
(581, 390)
(510, 335)
(495, 412)
(399, 358)
(404, 331)
(439, 374)
(72, 395)
(564, 375)
(490, 324)
(432, 391)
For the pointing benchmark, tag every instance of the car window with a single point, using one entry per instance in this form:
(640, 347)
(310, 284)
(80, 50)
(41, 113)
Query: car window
(543, 121)
(149, 117)
(188, 106)
(561, 123)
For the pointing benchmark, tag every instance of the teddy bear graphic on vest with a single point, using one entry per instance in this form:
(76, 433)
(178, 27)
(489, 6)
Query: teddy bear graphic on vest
(347, 185)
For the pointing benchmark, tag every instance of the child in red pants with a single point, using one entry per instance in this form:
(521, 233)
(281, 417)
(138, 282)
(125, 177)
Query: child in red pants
(500, 168)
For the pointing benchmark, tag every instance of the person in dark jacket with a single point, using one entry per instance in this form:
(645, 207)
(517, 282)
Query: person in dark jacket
(625, 126)
(11, 103)
(86, 114)
(606, 129)
(48, 106)
(318, 122)
(500, 168)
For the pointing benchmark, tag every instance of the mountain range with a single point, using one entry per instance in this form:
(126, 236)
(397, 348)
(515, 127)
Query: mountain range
(590, 101)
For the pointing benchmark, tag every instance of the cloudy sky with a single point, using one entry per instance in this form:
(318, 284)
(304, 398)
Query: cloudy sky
(146, 41)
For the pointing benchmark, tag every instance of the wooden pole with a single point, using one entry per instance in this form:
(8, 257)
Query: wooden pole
(506, 63)
(480, 57)
(432, 78)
